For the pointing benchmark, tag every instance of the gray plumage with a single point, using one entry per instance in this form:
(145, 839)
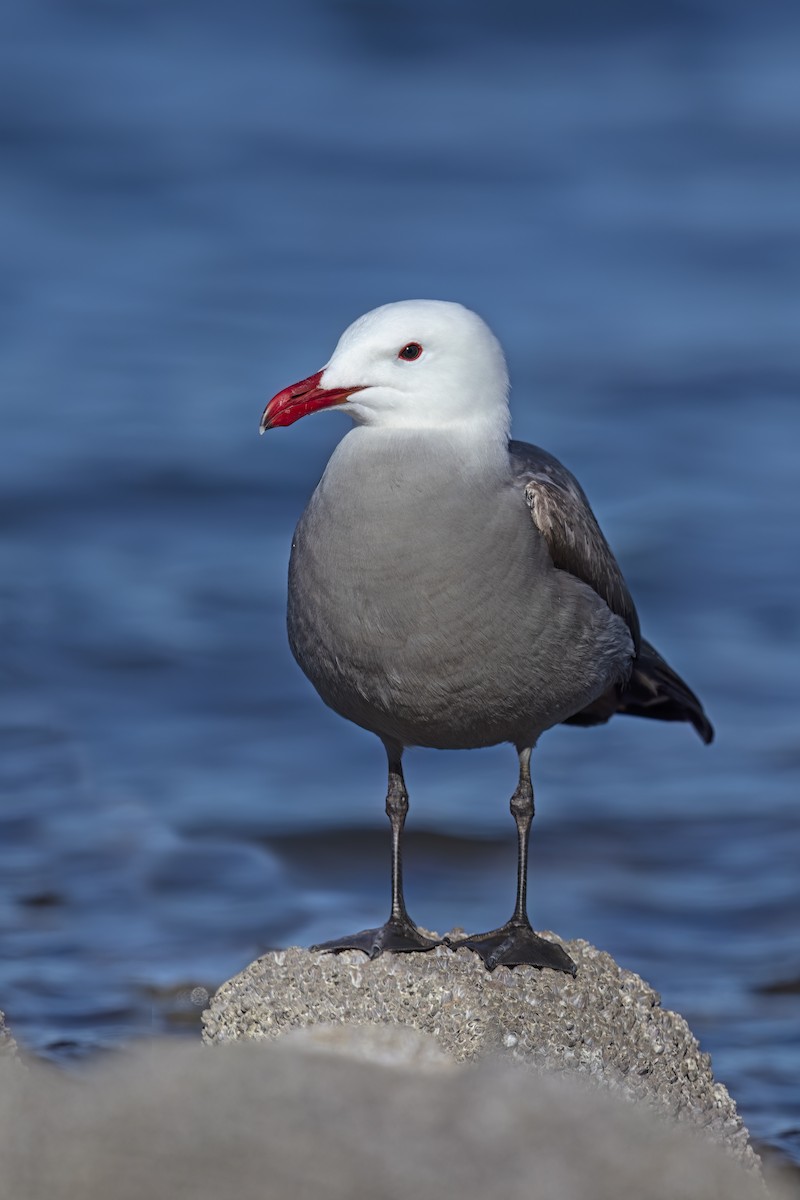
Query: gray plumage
(452, 589)
(576, 543)
(425, 605)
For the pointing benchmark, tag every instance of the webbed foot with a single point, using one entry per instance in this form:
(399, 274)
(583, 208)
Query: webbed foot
(514, 945)
(398, 936)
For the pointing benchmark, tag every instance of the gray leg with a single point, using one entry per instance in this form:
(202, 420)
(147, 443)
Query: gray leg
(399, 934)
(515, 943)
(397, 811)
(522, 810)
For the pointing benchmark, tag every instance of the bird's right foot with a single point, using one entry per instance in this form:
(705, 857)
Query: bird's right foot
(398, 936)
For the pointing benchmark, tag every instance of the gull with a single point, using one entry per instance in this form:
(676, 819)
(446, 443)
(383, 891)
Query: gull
(451, 588)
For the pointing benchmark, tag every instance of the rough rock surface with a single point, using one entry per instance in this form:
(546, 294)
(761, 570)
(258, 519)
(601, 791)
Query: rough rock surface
(606, 1023)
(289, 1121)
(8, 1047)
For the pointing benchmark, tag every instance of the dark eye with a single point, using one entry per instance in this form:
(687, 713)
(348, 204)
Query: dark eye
(411, 351)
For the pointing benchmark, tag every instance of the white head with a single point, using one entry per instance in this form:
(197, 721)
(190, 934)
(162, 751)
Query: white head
(415, 364)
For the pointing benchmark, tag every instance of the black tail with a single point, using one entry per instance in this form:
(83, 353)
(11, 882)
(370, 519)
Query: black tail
(653, 690)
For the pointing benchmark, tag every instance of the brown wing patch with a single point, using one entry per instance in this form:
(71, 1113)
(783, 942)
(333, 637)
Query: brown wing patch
(562, 515)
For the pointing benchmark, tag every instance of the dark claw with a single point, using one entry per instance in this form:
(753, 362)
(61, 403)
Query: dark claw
(397, 936)
(516, 945)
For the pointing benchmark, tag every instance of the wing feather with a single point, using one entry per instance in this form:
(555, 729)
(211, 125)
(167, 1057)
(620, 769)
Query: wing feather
(564, 517)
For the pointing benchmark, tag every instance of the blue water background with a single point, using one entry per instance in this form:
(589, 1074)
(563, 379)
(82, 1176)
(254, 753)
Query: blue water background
(195, 200)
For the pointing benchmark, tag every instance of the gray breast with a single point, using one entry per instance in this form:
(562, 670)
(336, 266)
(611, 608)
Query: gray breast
(423, 604)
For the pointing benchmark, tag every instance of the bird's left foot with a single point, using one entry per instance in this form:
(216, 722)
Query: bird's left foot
(399, 936)
(515, 945)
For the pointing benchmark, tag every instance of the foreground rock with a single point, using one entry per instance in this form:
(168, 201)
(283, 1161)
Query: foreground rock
(8, 1047)
(606, 1023)
(292, 1121)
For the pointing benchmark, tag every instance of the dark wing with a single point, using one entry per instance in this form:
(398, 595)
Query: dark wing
(655, 690)
(564, 517)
